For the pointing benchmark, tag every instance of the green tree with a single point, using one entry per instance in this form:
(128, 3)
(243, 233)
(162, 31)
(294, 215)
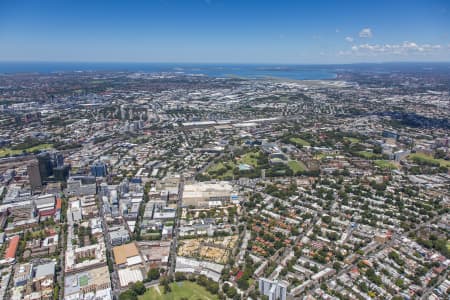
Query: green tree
(153, 274)
(138, 288)
(179, 276)
(231, 292)
(128, 295)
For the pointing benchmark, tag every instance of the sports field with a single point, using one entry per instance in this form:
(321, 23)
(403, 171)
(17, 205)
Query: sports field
(180, 290)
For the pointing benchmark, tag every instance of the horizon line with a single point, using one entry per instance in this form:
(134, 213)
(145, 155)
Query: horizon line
(224, 63)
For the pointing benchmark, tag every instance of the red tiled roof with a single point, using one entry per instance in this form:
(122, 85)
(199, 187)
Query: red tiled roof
(58, 203)
(239, 275)
(49, 212)
(12, 247)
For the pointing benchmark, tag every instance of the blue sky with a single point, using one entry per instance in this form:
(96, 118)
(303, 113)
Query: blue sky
(226, 31)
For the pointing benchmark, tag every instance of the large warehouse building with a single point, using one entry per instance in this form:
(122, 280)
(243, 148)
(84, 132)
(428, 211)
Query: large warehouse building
(207, 194)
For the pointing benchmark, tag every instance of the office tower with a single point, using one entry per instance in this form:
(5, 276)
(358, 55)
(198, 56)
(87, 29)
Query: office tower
(61, 173)
(57, 159)
(99, 169)
(34, 175)
(45, 165)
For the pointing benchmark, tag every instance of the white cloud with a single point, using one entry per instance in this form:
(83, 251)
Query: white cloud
(404, 48)
(344, 53)
(349, 39)
(365, 33)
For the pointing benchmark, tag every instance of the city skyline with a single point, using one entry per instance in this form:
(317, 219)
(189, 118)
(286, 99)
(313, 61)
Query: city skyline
(214, 31)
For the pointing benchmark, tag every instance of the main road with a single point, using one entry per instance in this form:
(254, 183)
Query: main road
(176, 229)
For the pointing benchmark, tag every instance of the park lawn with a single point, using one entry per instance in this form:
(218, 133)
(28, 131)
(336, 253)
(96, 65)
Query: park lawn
(98, 81)
(251, 281)
(352, 139)
(221, 166)
(429, 159)
(216, 168)
(299, 141)
(320, 156)
(40, 147)
(385, 164)
(250, 158)
(184, 289)
(367, 154)
(296, 166)
(7, 151)
(35, 234)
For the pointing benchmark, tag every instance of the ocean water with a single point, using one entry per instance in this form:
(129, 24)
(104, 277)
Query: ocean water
(252, 71)
(297, 72)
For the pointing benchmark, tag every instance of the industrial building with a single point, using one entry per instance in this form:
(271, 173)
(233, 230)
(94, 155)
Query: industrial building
(206, 194)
